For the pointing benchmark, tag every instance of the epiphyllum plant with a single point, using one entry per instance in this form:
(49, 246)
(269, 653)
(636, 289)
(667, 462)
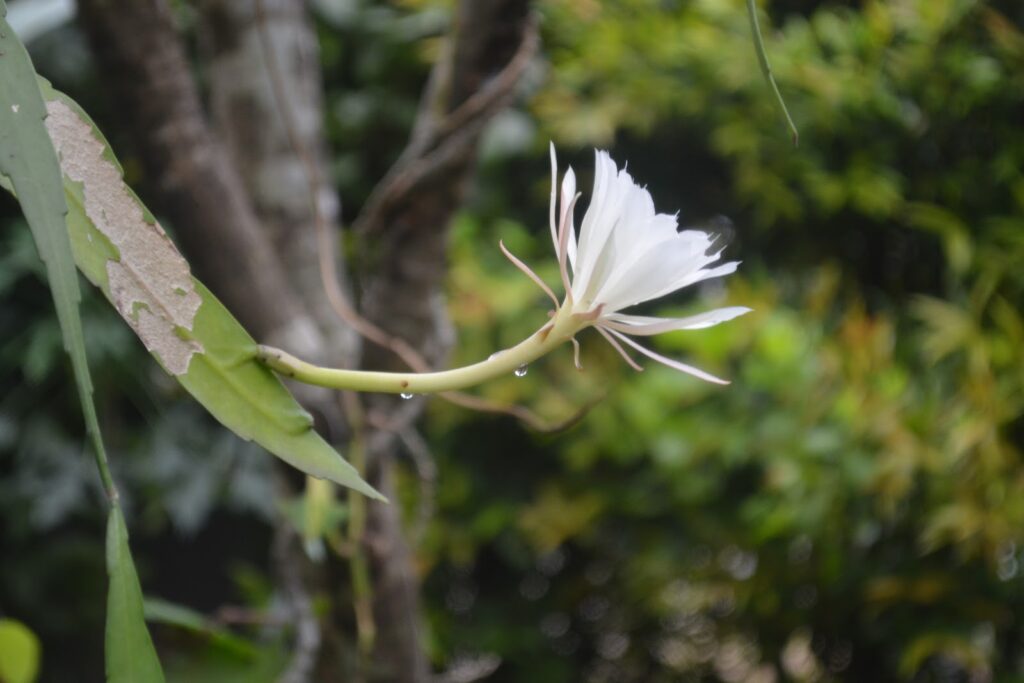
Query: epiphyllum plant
(626, 254)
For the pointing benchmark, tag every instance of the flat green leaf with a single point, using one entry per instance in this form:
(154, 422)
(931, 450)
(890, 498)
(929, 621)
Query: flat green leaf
(29, 163)
(19, 653)
(131, 657)
(164, 612)
(121, 249)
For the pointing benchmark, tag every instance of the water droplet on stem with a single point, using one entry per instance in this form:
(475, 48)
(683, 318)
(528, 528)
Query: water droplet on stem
(521, 371)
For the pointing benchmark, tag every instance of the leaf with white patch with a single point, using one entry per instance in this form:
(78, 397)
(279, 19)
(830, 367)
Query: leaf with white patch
(121, 249)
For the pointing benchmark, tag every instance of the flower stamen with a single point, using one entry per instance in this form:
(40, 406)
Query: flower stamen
(618, 347)
(563, 246)
(674, 364)
(529, 273)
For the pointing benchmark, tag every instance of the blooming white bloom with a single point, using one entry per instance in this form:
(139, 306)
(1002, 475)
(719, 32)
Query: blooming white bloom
(627, 254)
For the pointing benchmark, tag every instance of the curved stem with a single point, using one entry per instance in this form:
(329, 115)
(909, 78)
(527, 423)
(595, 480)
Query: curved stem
(557, 331)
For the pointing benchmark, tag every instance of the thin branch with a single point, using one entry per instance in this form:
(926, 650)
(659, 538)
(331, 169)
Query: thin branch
(524, 414)
(232, 615)
(426, 469)
(493, 96)
(362, 588)
(447, 140)
(307, 627)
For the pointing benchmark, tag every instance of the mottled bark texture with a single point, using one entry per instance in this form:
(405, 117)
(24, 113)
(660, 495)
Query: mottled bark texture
(238, 197)
(266, 101)
(136, 41)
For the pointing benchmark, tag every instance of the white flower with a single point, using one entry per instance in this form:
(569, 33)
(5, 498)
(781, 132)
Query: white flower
(627, 254)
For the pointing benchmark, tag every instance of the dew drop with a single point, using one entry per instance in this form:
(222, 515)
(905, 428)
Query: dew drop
(405, 396)
(521, 371)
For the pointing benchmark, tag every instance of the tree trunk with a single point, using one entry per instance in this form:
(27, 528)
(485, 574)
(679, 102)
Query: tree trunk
(404, 234)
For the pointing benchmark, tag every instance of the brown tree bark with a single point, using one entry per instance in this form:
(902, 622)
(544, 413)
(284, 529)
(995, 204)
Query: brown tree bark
(137, 43)
(239, 202)
(266, 103)
(404, 234)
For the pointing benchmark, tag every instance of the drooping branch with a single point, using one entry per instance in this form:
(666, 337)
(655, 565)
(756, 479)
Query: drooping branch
(438, 143)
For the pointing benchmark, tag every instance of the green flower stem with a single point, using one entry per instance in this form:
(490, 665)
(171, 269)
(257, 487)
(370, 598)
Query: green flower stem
(557, 331)
(766, 68)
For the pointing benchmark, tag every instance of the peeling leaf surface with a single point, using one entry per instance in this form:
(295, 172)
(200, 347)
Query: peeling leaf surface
(120, 248)
(150, 285)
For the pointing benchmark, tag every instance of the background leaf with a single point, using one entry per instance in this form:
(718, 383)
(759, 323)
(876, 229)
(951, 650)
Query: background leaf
(185, 618)
(19, 653)
(131, 657)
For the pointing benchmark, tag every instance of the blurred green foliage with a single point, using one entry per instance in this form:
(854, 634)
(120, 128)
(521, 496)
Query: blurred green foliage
(850, 508)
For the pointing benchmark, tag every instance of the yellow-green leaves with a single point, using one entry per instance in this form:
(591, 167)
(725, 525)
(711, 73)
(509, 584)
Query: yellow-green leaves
(129, 649)
(19, 653)
(122, 250)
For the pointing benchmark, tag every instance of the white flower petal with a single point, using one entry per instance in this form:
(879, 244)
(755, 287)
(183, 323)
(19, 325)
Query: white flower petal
(627, 253)
(647, 325)
(597, 201)
(698, 276)
(674, 364)
(652, 274)
(611, 187)
(568, 193)
(658, 253)
(554, 192)
(638, 228)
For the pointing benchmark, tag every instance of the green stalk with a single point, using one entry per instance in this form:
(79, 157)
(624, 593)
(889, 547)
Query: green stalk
(766, 68)
(556, 332)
